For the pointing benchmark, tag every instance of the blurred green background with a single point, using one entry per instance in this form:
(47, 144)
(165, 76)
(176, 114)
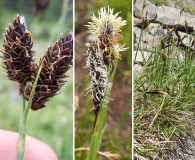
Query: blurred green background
(117, 137)
(46, 19)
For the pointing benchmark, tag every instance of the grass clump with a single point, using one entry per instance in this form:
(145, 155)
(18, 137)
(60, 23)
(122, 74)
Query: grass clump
(187, 8)
(176, 3)
(164, 88)
(160, 2)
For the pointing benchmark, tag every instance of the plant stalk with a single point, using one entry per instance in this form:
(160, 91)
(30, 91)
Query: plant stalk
(23, 131)
(158, 112)
(97, 134)
(22, 111)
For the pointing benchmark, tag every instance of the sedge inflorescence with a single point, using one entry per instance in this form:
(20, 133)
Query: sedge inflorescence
(106, 30)
(103, 53)
(56, 61)
(99, 76)
(17, 54)
(20, 66)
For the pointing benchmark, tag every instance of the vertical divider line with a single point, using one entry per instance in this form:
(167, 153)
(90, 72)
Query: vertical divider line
(73, 87)
(132, 85)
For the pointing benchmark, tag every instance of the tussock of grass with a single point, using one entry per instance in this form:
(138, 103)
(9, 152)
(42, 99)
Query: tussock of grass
(160, 2)
(177, 4)
(187, 8)
(164, 99)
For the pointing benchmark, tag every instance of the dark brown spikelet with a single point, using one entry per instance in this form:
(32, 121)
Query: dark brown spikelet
(56, 61)
(106, 40)
(17, 54)
(96, 84)
(99, 80)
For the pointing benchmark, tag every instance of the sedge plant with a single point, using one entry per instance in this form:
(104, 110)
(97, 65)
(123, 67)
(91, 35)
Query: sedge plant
(101, 60)
(164, 85)
(37, 82)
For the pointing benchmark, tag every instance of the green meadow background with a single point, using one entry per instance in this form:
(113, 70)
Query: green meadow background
(54, 123)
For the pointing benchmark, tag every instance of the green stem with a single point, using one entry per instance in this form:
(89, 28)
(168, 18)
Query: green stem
(22, 111)
(98, 132)
(22, 134)
(24, 104)
(158, 112)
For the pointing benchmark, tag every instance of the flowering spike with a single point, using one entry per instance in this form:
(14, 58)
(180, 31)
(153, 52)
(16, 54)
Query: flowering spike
(99, 77)
(106, 30)
(56, 62)
(103, 53)
(17, 55)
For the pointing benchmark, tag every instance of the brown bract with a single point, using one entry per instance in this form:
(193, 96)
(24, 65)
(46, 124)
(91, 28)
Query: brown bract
(105, 42)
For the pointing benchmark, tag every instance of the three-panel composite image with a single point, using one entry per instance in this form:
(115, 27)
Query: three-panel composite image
(97, 80)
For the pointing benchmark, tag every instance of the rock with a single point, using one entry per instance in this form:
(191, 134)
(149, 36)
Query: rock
(168, 16)
(148, 41)
(137, 69)
(141, 56)
(153, 33)
(156, 30)
(188, 40)
(171, 3)
(136, 33)
(137, 22)
(137, 12)
(188, 2)
(138, 8)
